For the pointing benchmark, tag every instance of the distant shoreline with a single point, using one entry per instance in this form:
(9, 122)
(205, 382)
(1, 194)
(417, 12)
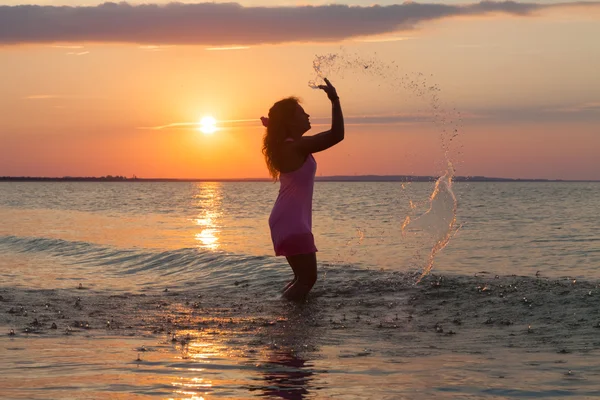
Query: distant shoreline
(340, 178)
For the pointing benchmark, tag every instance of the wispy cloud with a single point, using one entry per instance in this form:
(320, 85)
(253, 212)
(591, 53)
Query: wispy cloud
(81, 53)
(231, 24)
(174, 125)
(67, 46)
(352, 120)
(533, 114)
(45, 96)
(386, 39)
(227, 48)
(151, 47)
(568, 112)
(579, 108)
(58, 97)
(474, 46)
(230, 123)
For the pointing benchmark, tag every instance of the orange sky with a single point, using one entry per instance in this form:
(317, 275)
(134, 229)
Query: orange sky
(527, 87)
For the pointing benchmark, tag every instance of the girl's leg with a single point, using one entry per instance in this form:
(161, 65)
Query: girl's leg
(295, 276)
(290, 283)
(305, 270)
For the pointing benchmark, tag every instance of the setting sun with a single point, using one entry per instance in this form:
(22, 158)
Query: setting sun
(208, 125)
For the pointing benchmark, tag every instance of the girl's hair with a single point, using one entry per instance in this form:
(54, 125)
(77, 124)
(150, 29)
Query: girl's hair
(280, 115)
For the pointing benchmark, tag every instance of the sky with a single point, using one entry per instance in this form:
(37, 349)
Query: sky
(93, 89)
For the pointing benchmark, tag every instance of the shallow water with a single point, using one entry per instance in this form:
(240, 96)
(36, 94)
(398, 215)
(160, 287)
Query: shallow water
(181, 275)
(373, 337)
(207, 369)
(507, 228)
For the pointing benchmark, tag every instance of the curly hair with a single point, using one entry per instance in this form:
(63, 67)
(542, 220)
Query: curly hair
(277, 131)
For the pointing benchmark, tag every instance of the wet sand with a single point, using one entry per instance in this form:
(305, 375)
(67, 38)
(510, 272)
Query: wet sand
(373, 336)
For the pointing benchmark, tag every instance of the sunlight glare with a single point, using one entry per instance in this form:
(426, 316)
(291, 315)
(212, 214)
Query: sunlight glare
(208, 125)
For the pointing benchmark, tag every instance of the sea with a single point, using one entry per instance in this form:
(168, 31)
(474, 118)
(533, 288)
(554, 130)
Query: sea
(133, 290)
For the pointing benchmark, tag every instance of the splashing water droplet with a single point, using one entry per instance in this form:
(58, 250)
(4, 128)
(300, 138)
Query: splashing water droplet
(439, 221)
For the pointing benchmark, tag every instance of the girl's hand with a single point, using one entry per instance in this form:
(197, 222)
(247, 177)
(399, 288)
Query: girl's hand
(330, 90)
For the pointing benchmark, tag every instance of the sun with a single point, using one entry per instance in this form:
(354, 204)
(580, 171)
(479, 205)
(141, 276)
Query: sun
(208, 125)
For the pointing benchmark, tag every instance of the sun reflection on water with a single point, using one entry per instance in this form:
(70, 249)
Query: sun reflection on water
(262, 356)
(208, 201)
(199, 347)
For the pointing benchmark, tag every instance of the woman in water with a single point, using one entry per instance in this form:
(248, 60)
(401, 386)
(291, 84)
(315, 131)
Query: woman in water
(288, 154)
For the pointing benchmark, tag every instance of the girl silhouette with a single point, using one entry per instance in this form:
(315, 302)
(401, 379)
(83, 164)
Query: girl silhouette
(288, 154)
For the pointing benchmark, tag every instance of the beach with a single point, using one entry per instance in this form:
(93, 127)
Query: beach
(128, 315)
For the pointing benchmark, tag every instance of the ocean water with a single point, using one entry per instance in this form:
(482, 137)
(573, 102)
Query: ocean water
(170, 290)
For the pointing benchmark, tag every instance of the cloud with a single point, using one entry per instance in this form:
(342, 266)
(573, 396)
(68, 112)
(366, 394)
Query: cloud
(579, 112)
(579, 108)
(379, 39)
(352, 120)
(153, 48)
(174, 125)
(231, 123)
(81, 53)
(227, 24)
(68, 46)
(227, 48)
(58, 96)
(584, 112)
(44, 96)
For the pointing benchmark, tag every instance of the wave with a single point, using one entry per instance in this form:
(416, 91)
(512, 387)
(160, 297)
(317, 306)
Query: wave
(107, 268)
(104, 268)
(169, 267)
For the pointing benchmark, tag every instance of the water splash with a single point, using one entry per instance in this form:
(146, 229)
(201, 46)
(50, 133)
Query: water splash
(322, 65)
(439, 221)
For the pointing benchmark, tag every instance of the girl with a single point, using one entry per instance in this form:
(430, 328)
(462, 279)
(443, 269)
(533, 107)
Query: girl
(288, 154)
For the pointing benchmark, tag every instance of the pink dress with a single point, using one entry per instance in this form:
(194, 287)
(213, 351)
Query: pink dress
(291, 217)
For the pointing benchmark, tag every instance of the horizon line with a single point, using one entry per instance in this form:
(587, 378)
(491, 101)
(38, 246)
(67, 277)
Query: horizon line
(327, 178)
